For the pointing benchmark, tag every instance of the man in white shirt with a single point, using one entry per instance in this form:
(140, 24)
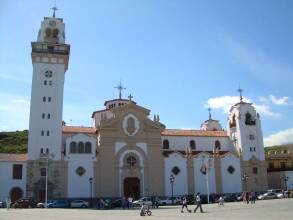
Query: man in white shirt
(198, 203)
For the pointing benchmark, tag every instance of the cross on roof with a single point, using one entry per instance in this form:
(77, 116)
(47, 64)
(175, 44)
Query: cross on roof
(240, 93)
(210, 115)
(120, 88)
(130, 97)
(54, 10)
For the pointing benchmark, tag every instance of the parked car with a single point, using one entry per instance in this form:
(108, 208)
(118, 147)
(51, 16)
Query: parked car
(42, 204)
(168, 200)
(267, 195)
(143, 200)
(24, 203)
(231, 197)
(79, 204)
(2, 204)
(280, 195)
(58, 204)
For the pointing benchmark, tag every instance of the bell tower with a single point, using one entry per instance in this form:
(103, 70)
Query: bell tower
(50, 55)
(244, 129)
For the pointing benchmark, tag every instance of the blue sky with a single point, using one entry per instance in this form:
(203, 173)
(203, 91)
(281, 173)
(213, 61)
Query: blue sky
(174, 57)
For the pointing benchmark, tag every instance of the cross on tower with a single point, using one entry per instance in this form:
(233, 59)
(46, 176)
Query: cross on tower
(240, 93)
(54, 10)
(120, 88)
(210, 115)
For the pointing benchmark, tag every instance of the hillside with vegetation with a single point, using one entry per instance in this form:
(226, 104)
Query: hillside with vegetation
(13, 141)
(279, 147)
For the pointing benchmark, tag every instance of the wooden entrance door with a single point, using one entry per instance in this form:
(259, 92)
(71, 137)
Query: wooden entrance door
(132, 187)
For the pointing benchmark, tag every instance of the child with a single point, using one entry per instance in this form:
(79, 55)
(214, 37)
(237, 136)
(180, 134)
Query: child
(184, 204)
(221, 201)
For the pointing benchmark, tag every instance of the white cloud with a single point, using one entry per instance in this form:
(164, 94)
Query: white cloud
(282, 137)
(266, 110)
(224, 103)
(279, 101)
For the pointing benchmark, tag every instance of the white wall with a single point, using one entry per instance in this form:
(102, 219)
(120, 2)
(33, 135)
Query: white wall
(6, 181)
(202, 143)
(79, 186)
(180, 181)
(231, 182)
(199, 178)
(54, 108)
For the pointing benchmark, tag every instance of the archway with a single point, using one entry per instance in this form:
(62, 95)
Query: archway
(132, 187)
(15, 194)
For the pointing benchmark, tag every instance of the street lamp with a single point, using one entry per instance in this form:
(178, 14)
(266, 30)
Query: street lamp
(244, 178)
(172, 178)
(91, 190)
(285, 179)
(46, 157)
(205, 168)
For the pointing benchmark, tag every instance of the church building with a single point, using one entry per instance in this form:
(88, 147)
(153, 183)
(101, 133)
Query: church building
(125, 152)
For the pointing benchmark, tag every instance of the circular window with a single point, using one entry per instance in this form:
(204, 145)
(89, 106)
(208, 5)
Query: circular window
(80, 171)
(176, 170)
(231, 169)
(131, 161)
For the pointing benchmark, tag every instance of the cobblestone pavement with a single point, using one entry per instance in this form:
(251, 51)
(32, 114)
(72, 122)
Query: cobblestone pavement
(279, 209)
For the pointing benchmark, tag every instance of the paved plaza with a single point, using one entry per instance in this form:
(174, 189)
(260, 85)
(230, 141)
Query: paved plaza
(268, 210)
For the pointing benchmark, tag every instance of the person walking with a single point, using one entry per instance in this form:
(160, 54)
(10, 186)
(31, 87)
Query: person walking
(198, 203)
(184, 204)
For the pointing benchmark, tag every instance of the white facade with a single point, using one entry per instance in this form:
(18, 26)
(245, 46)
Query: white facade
(180, 181)
(7, 183)
(78, 183)
(231, 181)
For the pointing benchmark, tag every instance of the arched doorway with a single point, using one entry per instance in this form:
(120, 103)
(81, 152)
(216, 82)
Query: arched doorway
(132, 187)
(15, 194)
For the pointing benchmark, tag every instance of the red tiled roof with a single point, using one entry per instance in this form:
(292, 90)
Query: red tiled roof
(13, 157)
(78, 129)
(197, 133)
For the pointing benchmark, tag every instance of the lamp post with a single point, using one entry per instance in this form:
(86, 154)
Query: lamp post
(45, 156)
(91, 191)
(172, 178)
(244, 178)
(285, 179)
(205, 168)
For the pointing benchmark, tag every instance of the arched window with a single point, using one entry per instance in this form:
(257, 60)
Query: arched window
(48, 32)
(48, 133)
(47, 151)
(217, 145)
(55, 33)
(45, 82)
(80, 148)
(88, 147)
(233, 122)
(42, 151)
(192, 145)
(44, 98)
(248, 119)
(48, 116)
(49, 99)
(42, 132)
(43, 171)
(73, 147)
(165, 144)
(43, 115)
(254, 170)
